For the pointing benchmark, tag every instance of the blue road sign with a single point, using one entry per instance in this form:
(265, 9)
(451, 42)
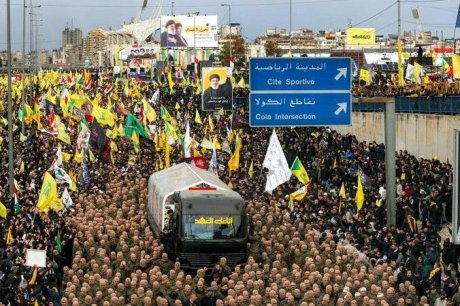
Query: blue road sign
(275, 73)
(299, 109)
(300, 91)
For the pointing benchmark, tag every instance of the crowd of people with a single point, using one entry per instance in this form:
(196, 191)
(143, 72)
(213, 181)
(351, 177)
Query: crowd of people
(319, 250)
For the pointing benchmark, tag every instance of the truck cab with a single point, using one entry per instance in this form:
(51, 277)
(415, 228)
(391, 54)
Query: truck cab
(207, 219)
(209, 225)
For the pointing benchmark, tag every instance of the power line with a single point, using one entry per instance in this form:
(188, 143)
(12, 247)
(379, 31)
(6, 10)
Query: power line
(376, 14)
(184, 6)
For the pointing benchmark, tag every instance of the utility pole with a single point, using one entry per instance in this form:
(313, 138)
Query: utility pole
(229, 26)
(290, 27)
(23, 91)
(10, 102)
(390, 148)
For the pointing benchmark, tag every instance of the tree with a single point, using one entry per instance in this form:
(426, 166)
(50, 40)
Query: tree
(272, 48)
(238, 51)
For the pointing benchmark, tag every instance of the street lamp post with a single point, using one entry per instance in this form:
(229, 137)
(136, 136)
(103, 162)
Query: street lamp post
(229, 26)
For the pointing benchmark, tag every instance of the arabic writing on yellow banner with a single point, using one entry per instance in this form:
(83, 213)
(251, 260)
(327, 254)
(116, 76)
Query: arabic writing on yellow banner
(212, 220)
(361, 36)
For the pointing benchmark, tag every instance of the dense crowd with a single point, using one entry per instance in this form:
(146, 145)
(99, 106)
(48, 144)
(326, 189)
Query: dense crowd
(315, 251)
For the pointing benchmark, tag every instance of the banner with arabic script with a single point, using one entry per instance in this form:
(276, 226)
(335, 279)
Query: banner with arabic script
(182, 31)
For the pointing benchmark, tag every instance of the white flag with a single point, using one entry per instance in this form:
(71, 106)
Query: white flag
(276, 163)
(66, 199)
(62, 176)
(59, 157)
(213, 162)
(187, 141)
(409, 71)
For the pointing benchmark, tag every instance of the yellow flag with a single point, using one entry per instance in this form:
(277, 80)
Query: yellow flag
(359, 198)
(22, 137)
(342, 192)
(135, 140)
(211, 123)
(197, 117)
(63, 136)
(416, 73)
(251, 169)
(170, 81)
(33, 279)
(177, 107)
(456, 65)
(57, 205)
(78, 156)
(365, 76)
(21, 168)
(65, 156)
(234, 161)
(49, 97)
(401, 81)
(241, 83)
(3, 211)
(167, 155)
(216, 143)
(299, 194)
(103, 116)
(48, 193)
(378, 202)
(91, 155)
(149, 112)
(9, 236)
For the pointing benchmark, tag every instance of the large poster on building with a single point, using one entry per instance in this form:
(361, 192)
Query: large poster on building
(217, 88)
(361, 36)
(184, 31)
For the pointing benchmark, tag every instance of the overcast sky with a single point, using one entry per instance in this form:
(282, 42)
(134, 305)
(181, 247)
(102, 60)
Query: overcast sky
(255, 16)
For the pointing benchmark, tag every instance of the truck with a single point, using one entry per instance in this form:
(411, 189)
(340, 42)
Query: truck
(209, 220)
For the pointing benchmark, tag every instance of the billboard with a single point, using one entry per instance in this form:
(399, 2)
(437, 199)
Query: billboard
(361, 36)
(184, 31)
(217, 88)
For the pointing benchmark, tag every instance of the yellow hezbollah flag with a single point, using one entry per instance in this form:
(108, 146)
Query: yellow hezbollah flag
(103, 116)
(299, 171)
(359, 198)
(48, 193)
(456, 65)
(149, 112)
(365, 76)
(361, 36)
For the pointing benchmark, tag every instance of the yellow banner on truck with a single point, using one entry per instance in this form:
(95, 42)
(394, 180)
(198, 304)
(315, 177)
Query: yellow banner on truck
(361, 36)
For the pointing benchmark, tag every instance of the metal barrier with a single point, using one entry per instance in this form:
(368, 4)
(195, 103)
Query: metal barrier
(426, 105)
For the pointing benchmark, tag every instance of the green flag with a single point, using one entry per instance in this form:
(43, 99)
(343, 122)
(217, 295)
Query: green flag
(132, 124)
(58, 242)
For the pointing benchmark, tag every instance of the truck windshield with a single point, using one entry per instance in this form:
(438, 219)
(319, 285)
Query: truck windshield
(213, 227)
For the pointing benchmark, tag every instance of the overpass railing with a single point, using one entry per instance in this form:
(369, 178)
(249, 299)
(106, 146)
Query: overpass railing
(449, 105)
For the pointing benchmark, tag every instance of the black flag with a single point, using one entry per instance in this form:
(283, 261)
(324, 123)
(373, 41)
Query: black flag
(98, 139)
